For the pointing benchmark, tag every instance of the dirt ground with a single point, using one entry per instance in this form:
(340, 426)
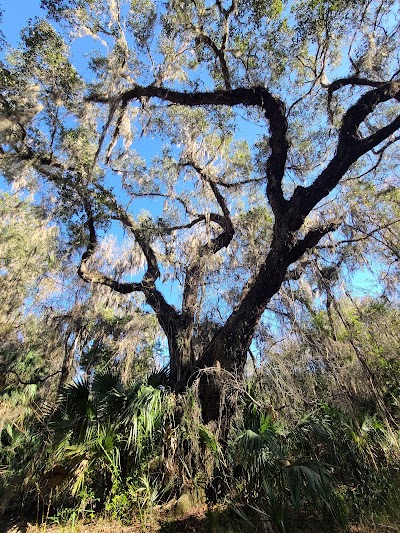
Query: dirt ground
(197, 520)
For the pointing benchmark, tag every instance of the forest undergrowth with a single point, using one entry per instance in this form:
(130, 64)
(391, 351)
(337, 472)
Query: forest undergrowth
(314, 443)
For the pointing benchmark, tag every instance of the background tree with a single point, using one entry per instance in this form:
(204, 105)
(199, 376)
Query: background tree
(28, 259)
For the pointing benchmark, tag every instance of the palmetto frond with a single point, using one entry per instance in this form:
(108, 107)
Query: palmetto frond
(75, 401)
(312, 428)
(311, 478)
(277, 468)
(143, 412)
(159, 378)
(261, 437)
(109, 395)
(98, 422)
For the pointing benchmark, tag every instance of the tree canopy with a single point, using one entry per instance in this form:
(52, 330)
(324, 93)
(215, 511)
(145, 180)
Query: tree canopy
(235, 150)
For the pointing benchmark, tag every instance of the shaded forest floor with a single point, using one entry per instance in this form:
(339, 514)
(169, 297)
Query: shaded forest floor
(198, 520)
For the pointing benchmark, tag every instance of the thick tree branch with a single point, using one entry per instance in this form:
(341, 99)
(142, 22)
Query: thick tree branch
(166, 230)
(235, 337)
(154, 297)
(166, 313)
(350, 148)
(94, 276)
(310, 241)
(274, 112)
(342, 82)
(364, 107)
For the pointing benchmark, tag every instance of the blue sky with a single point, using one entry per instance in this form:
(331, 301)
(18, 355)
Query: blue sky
(15, 17)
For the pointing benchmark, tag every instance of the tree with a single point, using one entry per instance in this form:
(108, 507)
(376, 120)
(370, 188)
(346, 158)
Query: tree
(28, 261)
(188, 77)
(24, 258)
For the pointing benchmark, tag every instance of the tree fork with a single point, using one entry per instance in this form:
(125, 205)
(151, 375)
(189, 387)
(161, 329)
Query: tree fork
(229, 346)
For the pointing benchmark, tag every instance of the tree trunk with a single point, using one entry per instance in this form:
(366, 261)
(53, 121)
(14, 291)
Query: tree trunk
(227, 353)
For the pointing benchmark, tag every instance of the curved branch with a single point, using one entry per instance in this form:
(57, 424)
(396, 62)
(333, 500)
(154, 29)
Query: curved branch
(166, 313)
(273, 108)
(97, 277)
(366, 104)
(91, 276)
(34, 381)
(170, 229)
(350, 148)
(342, 82)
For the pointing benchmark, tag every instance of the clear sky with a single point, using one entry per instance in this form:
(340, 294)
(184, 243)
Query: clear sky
(15, 16)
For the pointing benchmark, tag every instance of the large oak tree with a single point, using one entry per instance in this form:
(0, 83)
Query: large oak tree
(219, 140)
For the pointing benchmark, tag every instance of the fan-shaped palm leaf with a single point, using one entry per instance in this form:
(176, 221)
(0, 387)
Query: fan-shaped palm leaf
(75, 399)
(159, 378)
(308, 477)
(109, 395)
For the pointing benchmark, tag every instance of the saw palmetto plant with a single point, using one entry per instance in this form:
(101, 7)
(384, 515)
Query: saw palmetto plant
(102, 430)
